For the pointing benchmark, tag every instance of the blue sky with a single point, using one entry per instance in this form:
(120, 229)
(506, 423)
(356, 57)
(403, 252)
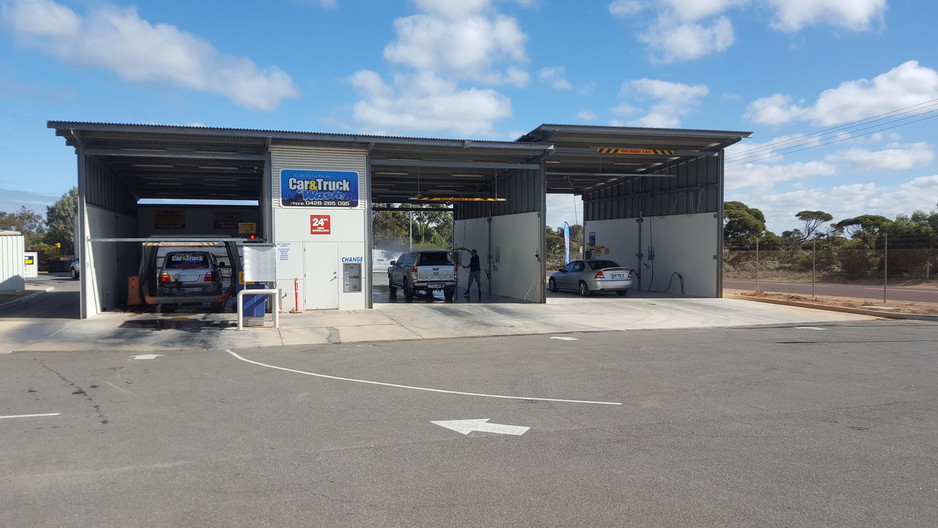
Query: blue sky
(841, 95)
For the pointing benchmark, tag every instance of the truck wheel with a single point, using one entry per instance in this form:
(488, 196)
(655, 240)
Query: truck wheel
(393, 289)
(449, 293)
(168, 308)
(408, 292)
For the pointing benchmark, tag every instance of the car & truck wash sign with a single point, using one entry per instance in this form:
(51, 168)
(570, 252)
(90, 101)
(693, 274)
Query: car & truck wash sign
(318, 188)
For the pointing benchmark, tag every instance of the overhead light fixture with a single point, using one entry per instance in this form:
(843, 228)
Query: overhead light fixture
(151, 166)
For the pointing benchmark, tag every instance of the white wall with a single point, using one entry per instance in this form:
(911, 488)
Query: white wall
(685, 244)
(512, 256)
(298, 241)
(108, 264)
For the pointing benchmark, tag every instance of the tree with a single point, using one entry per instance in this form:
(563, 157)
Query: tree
(813, 220)
(742, 225)
(27, 222)
(60, 219)
(865, 228)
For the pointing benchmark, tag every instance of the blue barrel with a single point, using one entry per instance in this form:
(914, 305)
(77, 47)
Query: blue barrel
(254, 305)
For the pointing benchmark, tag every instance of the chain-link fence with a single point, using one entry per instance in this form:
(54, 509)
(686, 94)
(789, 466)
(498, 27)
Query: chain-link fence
(891, 260)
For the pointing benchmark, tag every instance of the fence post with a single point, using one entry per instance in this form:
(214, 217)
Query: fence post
(757, 263)
(813, 268)
(885, 264)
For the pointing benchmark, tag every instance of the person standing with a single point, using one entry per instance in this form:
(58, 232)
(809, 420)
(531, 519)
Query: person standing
(475, 272)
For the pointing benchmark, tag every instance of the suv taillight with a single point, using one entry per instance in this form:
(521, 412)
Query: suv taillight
(208, 277)
(164, 277)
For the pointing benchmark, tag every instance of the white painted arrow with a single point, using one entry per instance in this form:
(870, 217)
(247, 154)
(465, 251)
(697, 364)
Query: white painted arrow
(481, 424)
(147, 356)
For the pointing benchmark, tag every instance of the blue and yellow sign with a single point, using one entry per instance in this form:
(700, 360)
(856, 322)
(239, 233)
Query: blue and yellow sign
(316, 188)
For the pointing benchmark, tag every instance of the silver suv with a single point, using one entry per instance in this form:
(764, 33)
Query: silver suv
(427, 271)
(188, 276)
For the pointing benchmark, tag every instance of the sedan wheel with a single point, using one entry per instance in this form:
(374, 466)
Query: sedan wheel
(621, 293)
(584, 289)
(552, 285)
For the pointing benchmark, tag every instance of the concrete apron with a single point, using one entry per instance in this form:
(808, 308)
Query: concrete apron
(562, 314)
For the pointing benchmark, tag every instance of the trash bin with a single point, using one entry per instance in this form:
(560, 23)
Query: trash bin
(254, 305)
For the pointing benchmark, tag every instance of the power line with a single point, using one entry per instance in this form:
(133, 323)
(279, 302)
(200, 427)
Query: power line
(900, 117)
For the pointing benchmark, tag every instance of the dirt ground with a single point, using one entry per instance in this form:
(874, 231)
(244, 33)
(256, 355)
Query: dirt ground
(851, 303)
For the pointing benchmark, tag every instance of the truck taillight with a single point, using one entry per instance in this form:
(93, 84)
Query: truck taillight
(456, 272)
(164, 277)
(413, 273)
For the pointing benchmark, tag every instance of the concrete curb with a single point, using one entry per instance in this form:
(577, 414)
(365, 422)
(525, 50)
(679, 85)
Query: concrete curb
(858, 311)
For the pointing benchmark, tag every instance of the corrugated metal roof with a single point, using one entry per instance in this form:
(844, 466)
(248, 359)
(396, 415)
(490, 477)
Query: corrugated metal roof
(149, 158)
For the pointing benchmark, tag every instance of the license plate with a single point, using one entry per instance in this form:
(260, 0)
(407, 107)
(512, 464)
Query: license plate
(618, 276)
(435, 285)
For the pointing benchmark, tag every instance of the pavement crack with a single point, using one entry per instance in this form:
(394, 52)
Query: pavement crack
(79, 391)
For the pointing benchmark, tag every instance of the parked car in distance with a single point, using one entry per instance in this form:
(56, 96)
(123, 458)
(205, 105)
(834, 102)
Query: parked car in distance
(188, 276)
(381, 260)
(592, 275)
(426, 270)
(75, 269)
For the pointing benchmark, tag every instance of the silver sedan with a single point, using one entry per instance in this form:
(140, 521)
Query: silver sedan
(591, 275)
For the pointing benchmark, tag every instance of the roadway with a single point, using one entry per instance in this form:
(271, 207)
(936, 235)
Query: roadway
(832, 424)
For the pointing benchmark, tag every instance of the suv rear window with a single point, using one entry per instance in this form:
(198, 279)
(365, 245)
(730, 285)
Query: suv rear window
(187, 261)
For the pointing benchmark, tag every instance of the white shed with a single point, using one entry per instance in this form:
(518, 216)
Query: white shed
(12, 265)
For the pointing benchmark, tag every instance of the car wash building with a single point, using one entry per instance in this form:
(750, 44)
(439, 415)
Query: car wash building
(297, 206)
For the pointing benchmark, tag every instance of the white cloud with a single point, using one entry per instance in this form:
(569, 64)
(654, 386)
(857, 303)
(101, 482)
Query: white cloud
(555, 77)
(586, 116)
(908, 87)
(855, 15)
(461, 39)
(118, 40)
(424, 103)
(682, 30)
(674, 101)
(762, 178)
(625, 8)
(446, 44)
(687, 41)
(895, 158)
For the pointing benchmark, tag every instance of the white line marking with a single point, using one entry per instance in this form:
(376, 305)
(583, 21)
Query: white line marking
(565, 338)
(29, 415)
(809, 328)
(383, 384)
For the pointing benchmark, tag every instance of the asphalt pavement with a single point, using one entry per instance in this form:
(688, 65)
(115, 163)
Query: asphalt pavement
(830, 424)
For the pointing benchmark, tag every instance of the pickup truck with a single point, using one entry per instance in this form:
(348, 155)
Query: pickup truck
(427, 271)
